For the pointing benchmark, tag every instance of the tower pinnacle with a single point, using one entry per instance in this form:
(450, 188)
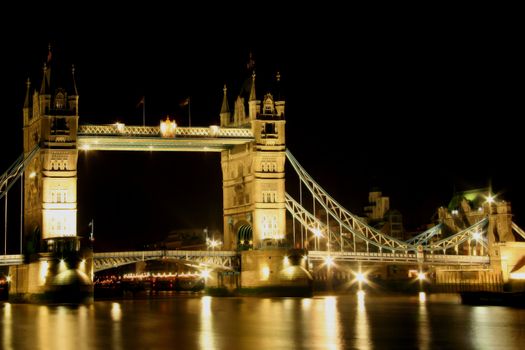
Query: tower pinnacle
(252, 89)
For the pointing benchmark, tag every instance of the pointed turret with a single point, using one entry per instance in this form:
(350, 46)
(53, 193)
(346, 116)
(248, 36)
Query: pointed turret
(28, 93)
(44, 85)
(254, 105)
(27, 103)
(74, 81)
(252, 89)
(225, 109)
(73, 93)
(279, 100)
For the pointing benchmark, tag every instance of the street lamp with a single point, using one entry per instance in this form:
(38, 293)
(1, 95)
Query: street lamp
(212, 243)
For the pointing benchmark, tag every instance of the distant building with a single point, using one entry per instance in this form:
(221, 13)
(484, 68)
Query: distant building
(188, 239)
(379, 215)
(377, 206)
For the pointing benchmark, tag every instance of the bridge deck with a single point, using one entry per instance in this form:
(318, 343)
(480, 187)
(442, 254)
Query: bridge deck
(111, 258)
(434, 259)
(148, 138)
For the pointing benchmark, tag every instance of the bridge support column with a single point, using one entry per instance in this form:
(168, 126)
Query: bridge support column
(275, 272)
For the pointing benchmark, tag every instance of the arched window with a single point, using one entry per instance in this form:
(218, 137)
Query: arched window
(60, 100)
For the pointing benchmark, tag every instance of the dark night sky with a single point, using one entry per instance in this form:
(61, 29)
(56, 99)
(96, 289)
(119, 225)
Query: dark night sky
(415, 106)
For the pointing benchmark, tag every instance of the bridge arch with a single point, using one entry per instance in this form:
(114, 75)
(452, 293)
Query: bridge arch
(244, 236)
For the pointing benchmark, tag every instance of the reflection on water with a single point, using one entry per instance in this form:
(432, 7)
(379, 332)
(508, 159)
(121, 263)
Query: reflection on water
(116, 327)
(362, 331)
(423, 330)
(7, 321)
(332, 322)
(206, 333)
(422, 297)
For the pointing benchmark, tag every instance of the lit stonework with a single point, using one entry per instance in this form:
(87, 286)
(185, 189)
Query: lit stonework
(253, 174)
(50, 122)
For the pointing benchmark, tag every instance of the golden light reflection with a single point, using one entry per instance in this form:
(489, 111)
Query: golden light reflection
(82, 265)
(62, 266)
(362, 327)
(361, 300)
(423, 331)
(44, 267)
(63, 327)
(485, 320)
(331, 324)
(306, 304)
(7, 327)
(116, 312)
(206, 339)
(44, 324)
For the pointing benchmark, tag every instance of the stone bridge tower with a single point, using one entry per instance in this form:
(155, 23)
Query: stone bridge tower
(56, 269)
(50, 199)
(254, 174)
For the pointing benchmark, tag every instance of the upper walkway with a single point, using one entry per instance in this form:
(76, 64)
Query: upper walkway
(118, 137)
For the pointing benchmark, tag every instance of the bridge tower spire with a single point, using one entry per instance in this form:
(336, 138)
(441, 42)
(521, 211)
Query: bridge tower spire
(225, 109)
(254, 105)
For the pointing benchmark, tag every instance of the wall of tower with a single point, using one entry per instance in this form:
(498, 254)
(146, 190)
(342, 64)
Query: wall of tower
(238, 189)
(269, 162)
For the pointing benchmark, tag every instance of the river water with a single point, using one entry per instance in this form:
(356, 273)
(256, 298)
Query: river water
(321, 322)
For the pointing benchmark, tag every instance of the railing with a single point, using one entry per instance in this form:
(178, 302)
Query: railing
(121, 129)
(400, 258)
(164, 253)
(13, 259)
(215, 259)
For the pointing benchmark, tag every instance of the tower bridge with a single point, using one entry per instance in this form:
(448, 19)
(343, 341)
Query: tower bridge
(253, 154)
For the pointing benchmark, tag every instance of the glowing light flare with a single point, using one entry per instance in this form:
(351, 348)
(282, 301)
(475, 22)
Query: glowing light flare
(476, 235)
(168, 127)
(360, 277)
(491, 199)
(116, 312)
(214, 130)
(286, 261)
(205, 274)
(421, 276)
(213, 243)
(317, 232)
(32, 175)
(120, 127)
(85, 147)
(329, 260)
(422, 297)
(517, 275)
(8, 279)
(265, 272)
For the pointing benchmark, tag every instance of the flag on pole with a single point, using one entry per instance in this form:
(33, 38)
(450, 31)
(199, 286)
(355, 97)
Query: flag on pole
(141, 102)
(184, 102)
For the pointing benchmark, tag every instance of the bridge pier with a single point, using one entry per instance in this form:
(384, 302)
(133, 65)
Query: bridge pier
(275, 272)
(53, 277)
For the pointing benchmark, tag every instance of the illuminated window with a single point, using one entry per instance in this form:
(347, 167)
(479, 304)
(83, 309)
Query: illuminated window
(60, 100)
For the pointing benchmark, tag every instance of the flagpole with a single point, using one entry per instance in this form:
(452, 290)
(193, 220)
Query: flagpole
(144, 111)
(189, 111)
